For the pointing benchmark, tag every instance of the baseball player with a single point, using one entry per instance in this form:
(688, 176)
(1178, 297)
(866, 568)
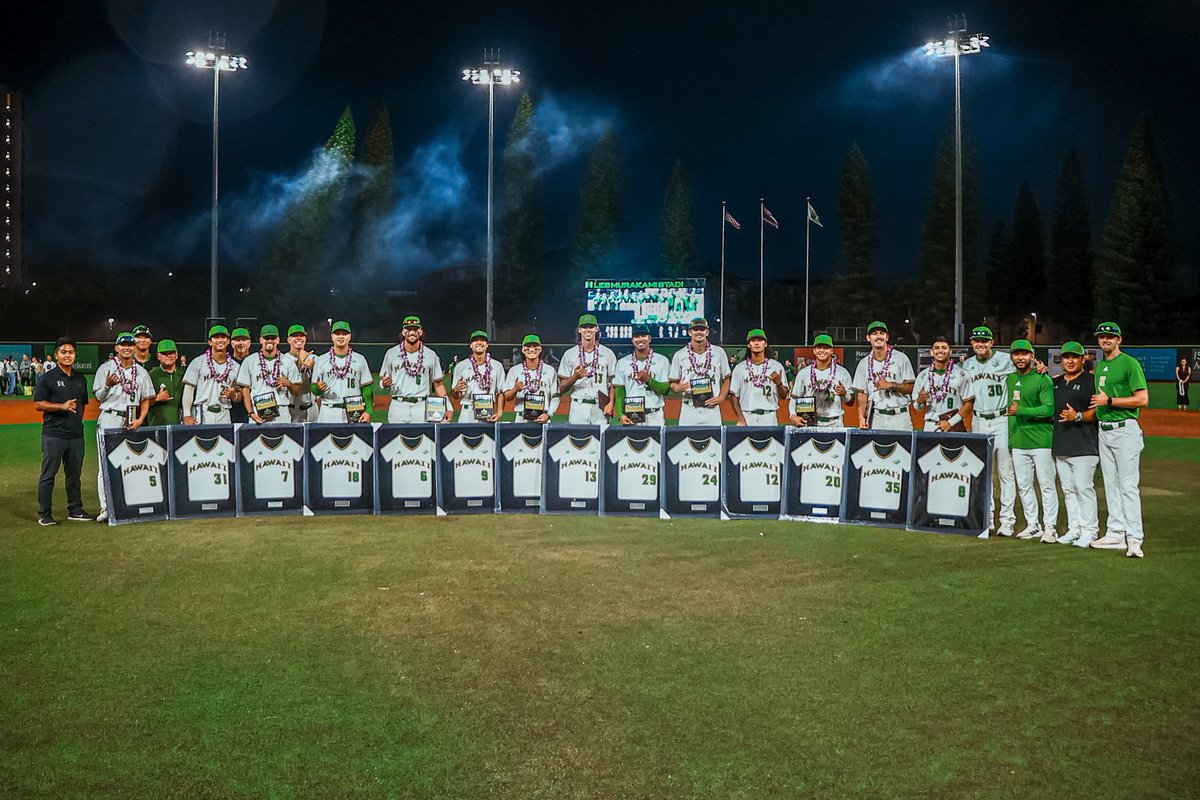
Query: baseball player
(585, 372)
(883, 383)
(119, 383)
(1120, 396)
(166, 407)
(1076, 446)
(412, 372)
(942, 390)
(700, 366)
(988, 371)
(210, 382)
(142, 341)
(756, 385)
(643, 374)
(827, 383)
(304, 407)
(342, 375)
(478, 377)
(239, 348)
(530, 378)
(1030, 436)
(268, 373)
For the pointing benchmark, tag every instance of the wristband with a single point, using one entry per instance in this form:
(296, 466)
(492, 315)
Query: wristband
(1109, 403)
(957, 418)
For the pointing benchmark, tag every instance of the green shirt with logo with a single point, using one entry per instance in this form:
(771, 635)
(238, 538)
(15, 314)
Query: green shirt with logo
(1119, 377)
(1032, 427)
(166, 413)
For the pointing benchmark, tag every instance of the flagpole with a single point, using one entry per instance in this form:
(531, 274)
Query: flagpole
(807, 227)
(721, 331)
(762, 203)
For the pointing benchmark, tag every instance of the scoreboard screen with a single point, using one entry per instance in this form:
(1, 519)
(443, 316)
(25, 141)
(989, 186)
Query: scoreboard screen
(666, 306)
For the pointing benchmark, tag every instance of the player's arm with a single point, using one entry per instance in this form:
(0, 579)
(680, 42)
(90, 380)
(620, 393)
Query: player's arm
(781, 388)
(1042, 406)
(619, 403)
(721, 396)
(737, 409)
(368, 395)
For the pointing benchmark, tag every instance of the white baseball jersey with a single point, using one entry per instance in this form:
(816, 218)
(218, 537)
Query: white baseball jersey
(140, 467)
(820, 466)
(342, 460)
(274, 461)
(578, 467)
(955, 382)
(660, 370)
(489, 381)
(601, 364)
(950, 471)
(346, 376)
(637, 463)
(526, 458)
(208, 462)
(750, 396)
(698, 365)
(548, 388)
(412, 467)
(988, 385)
(397, 362)
(699, 470)
(258, 373)
(116, 397)
(760, 469)
(305, 397)
(898, 370)
(209, 379)
(474, 460)
(881, 473)
(819, 384)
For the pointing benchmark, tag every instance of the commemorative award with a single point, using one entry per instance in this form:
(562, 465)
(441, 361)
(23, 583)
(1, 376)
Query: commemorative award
(198, 413)
(131, 415)
(436, 408)
(635, 409)
(701, 391)
(266, 405)
(354, 407)
(535, 406)
(958, 427)
(806, 406)
(484, 406)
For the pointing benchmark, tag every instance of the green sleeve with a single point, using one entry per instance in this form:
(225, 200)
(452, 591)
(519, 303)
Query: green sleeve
(369, 397)
(1137, 376)
(1044, 408)
(618, 401)
(662, 387)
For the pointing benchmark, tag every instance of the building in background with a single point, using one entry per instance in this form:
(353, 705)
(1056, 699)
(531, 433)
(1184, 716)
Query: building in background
(12, 129)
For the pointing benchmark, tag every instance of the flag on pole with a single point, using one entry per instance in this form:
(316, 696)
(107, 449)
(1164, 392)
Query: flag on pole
(769, 218)
(812, 215)
(737, 226)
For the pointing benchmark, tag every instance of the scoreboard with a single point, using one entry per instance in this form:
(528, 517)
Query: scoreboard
(665, 306)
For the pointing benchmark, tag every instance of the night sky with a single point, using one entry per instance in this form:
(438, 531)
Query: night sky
(756, 99)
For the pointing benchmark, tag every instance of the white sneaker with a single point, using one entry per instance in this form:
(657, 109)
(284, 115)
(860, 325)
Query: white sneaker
(1084, 541)
(1049, 536)
(1135, 549)
(1112, 541)
(1068, 537)
(102, 516)
(1032, 532)
(1004, 530)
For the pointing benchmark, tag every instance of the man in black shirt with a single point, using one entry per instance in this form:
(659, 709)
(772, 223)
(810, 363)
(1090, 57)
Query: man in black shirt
(61, 395)
(1076, 446)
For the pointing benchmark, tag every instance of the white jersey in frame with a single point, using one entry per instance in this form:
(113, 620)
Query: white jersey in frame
(342, 460)
(412, 466)
(140, 467)
(207, 462)
(526, 460)
(274, 461)
(820, 466)
(699, 470)
(474, 460)
(578, 467)
(881, 474)
(760, 469)
(636, 463)
(950, 471)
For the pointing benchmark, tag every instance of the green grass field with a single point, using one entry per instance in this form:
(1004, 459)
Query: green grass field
(564, 657)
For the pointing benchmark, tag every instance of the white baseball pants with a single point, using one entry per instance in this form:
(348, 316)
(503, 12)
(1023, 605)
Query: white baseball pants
(1077, 476)
(998, 429)
(1121, 465)
(1027, 463)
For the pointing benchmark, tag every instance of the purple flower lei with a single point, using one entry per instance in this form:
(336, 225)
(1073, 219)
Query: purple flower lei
(272, 378)
(413, 369)
(708, 357)
(591, 368)
(483, 379)
(128, 383)
(820, 385)
(638, 366)
(873, 376)
(344, 370)
(759, 380)
(939, 393)
(532, 386)
(221, 378)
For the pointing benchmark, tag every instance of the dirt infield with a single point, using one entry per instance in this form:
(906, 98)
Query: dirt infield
(1155, 421)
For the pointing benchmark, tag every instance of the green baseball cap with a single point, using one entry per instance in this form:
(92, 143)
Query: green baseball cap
(124, 337)
(218, 330)
(240, 333)
(640, 330)
(1072, 348)
(268, 332)
(411, 321)
(756, 333)
(341, 325)
(297, 329)
(1108, 329)
(823, 338)
(587, 319)
(877, 325)
(480, 334)
(167, 346)
(139, 330)
(698, 322)
(1020, 346)
(982, 332)
(531, 338)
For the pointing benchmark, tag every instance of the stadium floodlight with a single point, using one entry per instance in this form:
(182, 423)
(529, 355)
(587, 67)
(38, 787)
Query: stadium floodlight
(491, 74)
(955, 45)
(215, 58)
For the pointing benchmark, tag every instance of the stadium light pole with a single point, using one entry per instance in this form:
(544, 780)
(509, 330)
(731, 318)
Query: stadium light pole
(957, 44)
(216, 59)
(490, 74)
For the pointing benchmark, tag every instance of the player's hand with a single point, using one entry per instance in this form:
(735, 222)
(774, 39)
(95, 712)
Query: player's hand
(283, 382)
(1041, 367)
(686, 383)
(775, 376)
(254, 416)
(922, 397)
(162, 396)
(70, 405)
(460, 387)
(798, 420)
(609, 408)
(229, 393)
(580, 371)
(365, 417)
(386, 382)
(1012, 409)
(625, 420)
(839, 390)
(543, 419)
(323, 386)
(137, 423)
(883, 385)
(944, 426)
(519, 385)
(1099, 399)
(112, 379)
(307, 360)
(494, 418)
(189, 420)
(712, 402)
(643, 376)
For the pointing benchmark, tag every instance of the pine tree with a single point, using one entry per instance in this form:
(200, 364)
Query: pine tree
(378, 160)
(854, 297)
(679, 224)
(519, 229)
(1134, 263)
(601, 212)
(1070, 278)
(1025, 274)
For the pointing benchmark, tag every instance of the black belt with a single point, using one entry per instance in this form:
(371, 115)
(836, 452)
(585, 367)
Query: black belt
(828, 419)
(1112, 426)
(409, 399)
(996, 415)
(581, 400)
(889, 411)
(760, 412)
(304, 407)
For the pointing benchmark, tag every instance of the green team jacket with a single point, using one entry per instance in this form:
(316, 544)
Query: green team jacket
(1032, 427)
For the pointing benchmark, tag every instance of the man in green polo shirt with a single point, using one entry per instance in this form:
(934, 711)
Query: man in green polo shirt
(1120, 396)
(168, 383)
(1030, 437)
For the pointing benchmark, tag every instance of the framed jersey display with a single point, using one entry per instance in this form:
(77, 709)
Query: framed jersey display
(814, 472)
(135, 474)
(270, 469)
(406, 465)
(691, 471)
(519, 456)
(753, 467)
(202, 468)
(340, 468)
(467, 477)
(876, 485)
(571, 469)
(951, 483)
(633, 461)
